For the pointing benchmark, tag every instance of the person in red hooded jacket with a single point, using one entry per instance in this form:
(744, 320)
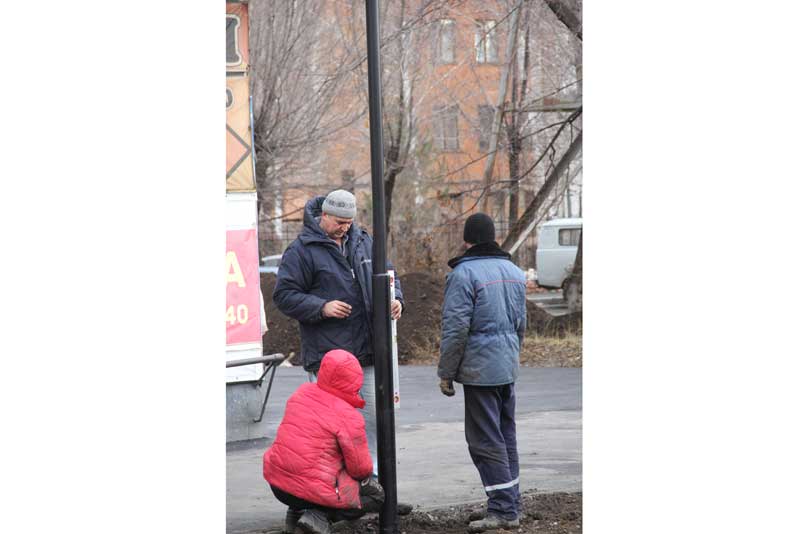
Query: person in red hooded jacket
(319, 464)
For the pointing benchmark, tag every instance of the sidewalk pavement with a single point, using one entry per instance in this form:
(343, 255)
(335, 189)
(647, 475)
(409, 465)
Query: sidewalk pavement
(433, 465)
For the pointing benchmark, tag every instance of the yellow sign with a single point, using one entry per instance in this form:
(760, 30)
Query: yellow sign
(239, 153)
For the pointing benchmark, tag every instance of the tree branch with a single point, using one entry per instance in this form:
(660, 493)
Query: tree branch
(526, 223)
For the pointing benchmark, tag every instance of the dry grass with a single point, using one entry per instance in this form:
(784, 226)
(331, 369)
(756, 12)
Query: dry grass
(537, 351)
(541, 351)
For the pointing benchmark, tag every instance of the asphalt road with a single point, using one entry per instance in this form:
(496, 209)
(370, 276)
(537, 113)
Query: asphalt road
(433, 465)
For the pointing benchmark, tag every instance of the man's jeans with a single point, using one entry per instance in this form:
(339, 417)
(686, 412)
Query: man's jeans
(370, 417)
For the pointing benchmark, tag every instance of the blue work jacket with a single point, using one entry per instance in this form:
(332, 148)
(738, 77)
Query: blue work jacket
(483, 318)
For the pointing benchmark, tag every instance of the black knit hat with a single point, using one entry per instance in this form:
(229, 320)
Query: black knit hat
(479, 228)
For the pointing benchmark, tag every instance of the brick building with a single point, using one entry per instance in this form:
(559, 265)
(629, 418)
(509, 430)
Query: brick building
(442, 65)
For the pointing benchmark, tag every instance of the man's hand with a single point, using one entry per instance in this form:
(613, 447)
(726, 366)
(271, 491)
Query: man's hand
(397, 309)
(447, 387)
(337, 309)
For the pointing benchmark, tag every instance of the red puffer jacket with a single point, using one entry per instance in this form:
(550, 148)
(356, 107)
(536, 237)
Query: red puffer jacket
(321, 452)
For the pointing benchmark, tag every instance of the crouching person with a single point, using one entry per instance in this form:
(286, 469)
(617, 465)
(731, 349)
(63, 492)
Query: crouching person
(319, 464)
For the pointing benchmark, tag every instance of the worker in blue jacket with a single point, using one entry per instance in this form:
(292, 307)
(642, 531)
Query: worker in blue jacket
(483, 325)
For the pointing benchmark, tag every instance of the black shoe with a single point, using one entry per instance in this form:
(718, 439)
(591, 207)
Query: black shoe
(477, 515)
(492, 522)
(480, 513)
(292, 517)
(314, 522)
(403, 508)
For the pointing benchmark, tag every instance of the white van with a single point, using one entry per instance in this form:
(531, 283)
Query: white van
(556, 251)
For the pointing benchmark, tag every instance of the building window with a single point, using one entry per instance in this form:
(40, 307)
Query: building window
(445, 41)
(233, 57)
(569, 237)
(486, 42)
(445, 132)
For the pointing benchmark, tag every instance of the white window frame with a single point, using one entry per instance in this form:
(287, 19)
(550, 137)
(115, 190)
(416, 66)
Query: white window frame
(572, 233)
(235, 40)
(486, 42)
(443, 141)
(440, 32)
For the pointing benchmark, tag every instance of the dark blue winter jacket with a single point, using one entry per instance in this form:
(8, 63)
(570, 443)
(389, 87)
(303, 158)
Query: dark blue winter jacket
(313, 271)
(483, 318)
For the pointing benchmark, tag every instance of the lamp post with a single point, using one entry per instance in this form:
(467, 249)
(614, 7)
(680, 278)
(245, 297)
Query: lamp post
(387, 466)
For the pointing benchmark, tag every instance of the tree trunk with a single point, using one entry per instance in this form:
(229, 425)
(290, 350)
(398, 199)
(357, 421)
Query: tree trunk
(498, 111)
(392, 164)
(570, 19)
(513, 170)
(515, 132)
(391, 179)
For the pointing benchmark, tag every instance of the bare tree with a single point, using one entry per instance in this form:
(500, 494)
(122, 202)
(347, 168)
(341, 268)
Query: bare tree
(515, 121)
(310, 103)
(569, 13)
(404, 26)
(546, 71)
(296, 89)
(525, 224)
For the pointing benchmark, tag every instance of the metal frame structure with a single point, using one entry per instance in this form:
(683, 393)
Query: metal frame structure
(271, 361)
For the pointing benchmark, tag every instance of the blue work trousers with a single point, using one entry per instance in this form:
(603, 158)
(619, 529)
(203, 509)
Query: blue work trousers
(492, 440)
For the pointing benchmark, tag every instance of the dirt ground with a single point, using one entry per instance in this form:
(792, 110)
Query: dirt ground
(550, 342)
(283, 333)
(544, 513)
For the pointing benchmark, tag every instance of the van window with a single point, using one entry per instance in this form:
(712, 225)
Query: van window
(569, 237)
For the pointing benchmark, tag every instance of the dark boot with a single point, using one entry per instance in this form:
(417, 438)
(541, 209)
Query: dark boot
(314, 522)
(492, 522)
(480, 513)
(403, 508)
(292, 517)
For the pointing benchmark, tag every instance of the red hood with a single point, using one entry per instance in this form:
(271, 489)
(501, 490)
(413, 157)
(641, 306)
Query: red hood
(340, 374)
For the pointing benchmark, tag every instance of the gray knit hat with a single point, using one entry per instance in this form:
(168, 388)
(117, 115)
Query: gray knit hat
(340, 203)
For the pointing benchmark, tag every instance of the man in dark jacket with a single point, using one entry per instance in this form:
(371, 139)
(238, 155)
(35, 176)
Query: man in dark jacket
(325, 282)
(483, 325)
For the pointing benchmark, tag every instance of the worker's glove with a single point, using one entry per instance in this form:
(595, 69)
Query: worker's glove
(446, 385)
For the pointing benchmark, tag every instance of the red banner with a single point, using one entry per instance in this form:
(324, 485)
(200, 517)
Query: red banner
(242, 308)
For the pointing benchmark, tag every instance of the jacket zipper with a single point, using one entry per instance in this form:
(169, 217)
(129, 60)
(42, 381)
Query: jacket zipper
(336, 487)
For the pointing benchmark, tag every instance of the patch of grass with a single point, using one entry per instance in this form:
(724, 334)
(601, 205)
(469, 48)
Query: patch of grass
(547, 351)
(537, 351)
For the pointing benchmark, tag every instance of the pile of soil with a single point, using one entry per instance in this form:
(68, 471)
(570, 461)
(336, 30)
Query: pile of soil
(419, 329)
(544, 513)
(283, 333)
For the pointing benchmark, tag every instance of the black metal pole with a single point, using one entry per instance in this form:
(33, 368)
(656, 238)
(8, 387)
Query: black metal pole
(387, 466)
